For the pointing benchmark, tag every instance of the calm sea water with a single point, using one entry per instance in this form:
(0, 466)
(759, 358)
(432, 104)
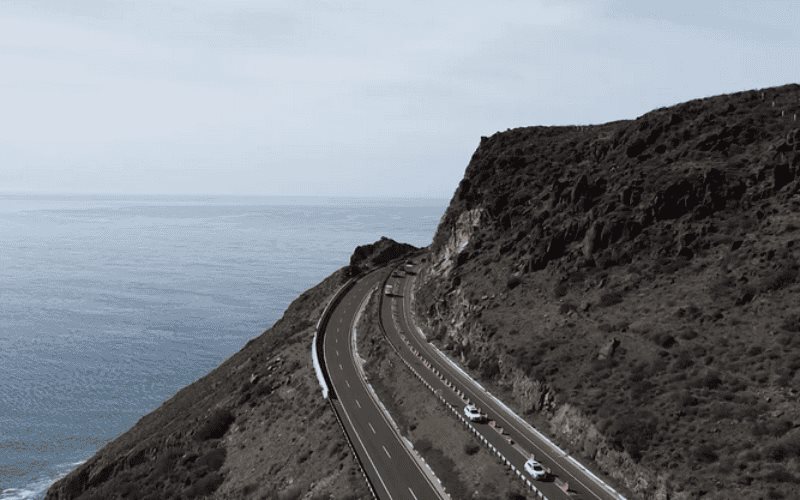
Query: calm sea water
(109, 305)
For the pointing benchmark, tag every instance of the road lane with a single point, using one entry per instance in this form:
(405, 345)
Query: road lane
(392, 469)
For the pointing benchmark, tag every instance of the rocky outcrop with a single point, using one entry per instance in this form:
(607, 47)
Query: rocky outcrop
(377, 254)
(633, 284)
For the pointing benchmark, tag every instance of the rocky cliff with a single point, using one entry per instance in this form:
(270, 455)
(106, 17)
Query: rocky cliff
(632, 288)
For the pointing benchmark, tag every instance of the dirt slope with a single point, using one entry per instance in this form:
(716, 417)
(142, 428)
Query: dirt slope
(633, 288)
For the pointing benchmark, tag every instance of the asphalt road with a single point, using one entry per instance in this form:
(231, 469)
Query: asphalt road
(516, 441)
(393, 471)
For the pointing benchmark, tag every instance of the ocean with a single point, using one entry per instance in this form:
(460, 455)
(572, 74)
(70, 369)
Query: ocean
(109, 305)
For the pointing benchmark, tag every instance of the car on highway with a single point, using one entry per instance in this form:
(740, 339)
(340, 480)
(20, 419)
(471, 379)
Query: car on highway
(473, 413)
(535, 469)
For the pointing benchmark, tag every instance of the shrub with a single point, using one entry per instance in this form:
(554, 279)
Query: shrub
(721, 287)
(705, 453)
(781, 278)
(776, 452)
(292, 492)
(787, 446)
(610, 299)
(205, 486)
(774, 494)
(664, 340)
(781, 475)
(683, 361)
(632, 433)
(566, 307)
(471, 448)
(605, 327)
(775, 428)
(213, 459)
(423, 445)
(684, 400)
(709, 380)
(216, 425)
(791, 323)
(513, 282)
(688, 334)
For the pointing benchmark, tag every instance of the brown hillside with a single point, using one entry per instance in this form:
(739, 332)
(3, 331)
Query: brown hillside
(633, 288)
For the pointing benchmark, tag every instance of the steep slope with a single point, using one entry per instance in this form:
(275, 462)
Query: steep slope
(255, 427)
(632, 288)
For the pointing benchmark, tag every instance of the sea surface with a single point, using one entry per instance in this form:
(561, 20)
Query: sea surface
(109, 305)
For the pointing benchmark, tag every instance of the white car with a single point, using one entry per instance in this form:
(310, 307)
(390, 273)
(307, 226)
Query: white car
(473, 413)
(535, 469)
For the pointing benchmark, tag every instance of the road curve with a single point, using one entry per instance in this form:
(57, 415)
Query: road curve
(393, 471)
(400, 327)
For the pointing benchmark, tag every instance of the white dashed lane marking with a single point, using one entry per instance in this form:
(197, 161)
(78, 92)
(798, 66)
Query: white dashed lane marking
(358, 404)
(386, 451)
(371, 428)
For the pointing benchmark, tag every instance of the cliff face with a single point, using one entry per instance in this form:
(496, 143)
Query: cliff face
(633, 287)
(256, 427)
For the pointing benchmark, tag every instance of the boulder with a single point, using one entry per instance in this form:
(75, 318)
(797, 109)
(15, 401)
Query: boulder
(608, 349)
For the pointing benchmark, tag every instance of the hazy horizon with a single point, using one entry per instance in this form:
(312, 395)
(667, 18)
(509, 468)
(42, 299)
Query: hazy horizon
(300, 98)
(110, 194)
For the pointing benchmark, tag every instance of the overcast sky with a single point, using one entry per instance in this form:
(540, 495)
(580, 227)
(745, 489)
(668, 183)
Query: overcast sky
(344, 97)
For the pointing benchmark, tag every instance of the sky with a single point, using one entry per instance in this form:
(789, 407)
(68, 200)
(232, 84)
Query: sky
(344, 98)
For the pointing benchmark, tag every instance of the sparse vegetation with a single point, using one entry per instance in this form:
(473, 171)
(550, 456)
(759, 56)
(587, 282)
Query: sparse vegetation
(471, 448)
(675, 234)
(610, 299)
(216, 425)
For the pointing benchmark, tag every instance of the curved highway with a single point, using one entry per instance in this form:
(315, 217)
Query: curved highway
(393, 471)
